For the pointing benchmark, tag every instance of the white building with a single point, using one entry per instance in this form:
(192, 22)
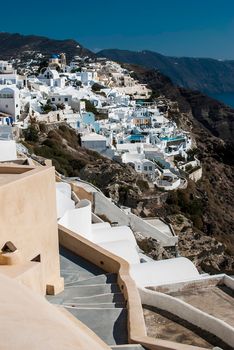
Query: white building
(10, 101)
(9, 76)
(58, 99)
(87, 76)
(7, 150)
(94, 142)
(51, 78)
(13, 79)
(6, 67)
(145, 167)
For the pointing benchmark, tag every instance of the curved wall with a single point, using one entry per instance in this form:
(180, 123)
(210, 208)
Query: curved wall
(111, 234)
(79, 220)
(163, 271)
(189, 313)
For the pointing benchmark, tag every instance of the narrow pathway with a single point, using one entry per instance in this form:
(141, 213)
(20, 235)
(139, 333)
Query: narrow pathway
(94, 298)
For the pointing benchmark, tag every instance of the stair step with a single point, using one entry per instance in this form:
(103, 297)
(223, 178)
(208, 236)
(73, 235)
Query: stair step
(109, 324)
(70, 276)
(96, 305)
(128, 347)
(71, 263)
(90, 290)
(102, 298)
(109, 278)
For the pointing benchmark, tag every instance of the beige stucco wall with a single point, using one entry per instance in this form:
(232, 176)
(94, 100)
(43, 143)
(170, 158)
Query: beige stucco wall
(29, 322)
(28, 220)
(81, 192)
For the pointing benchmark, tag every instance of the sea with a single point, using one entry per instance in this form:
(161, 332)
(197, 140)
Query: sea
(225, 97)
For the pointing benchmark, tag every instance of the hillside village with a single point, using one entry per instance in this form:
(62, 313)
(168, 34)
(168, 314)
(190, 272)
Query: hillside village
(103, 290)
(112, 112)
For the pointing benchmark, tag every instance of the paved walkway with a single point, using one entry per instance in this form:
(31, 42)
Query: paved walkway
(94, 298)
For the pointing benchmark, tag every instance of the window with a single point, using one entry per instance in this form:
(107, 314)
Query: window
(139, 167)
(8, 247)
(145, 168)
(6, 96)
(6, 106)
(150, 168)
(53, 99)
(37, 258)
(65, 99)
(16, 105)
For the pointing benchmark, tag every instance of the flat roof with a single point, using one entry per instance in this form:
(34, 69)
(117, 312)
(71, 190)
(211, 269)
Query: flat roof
(85, 186)
(93, 137)
(163, 325)
(160, 225)
(11, 172)
(217, 301)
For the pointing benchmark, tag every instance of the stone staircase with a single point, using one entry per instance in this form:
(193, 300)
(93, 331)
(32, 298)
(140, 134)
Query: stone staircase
(94, 298)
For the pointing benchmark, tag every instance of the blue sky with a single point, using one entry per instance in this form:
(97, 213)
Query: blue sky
(199, 28)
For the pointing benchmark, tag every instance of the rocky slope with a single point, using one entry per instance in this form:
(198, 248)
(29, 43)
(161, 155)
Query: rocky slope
(17, 45)
(203, 74)
(120, 182)
(209, 203)
(201, 216)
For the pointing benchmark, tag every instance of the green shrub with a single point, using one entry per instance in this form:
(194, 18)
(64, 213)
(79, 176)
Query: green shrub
(90, 107)
(143, 185)
(188, 168)
(46, 108)
(42, 127)
(97, 87)
(31, 134)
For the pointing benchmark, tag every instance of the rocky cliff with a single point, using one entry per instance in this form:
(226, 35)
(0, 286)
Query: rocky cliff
(208, 203)
(203, 74)
(210, 115)
(17, 45)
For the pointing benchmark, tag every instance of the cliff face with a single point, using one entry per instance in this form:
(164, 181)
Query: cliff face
(203, 74)
(17, 45)
(208, 203)
(211, 115)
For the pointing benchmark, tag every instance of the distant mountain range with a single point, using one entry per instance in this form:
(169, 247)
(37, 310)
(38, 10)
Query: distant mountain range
(204, 74)
(17, 45)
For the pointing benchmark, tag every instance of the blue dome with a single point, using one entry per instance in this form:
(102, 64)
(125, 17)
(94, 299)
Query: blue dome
(55, 56)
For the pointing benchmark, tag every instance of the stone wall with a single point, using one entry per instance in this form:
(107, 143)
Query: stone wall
(105, 208)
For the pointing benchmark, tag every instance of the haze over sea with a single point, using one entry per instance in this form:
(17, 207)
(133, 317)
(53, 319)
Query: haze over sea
(225, 97)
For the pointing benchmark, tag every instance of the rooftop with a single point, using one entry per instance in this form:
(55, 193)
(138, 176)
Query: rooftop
(93, 137)
(10, 172)
(160, 225)
(216, 300)
(163, 325)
